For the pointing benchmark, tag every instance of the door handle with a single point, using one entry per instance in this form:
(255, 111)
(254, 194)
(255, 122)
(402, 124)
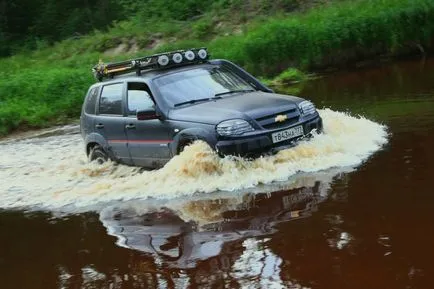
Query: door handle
(130, 126)
(100, 125)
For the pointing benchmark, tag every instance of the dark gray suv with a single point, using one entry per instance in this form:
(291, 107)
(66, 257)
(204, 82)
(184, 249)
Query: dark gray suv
(144, 111)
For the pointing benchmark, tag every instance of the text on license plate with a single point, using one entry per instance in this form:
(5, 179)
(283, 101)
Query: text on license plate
(287, 134)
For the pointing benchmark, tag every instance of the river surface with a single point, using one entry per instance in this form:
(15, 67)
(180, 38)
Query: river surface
(351, 208)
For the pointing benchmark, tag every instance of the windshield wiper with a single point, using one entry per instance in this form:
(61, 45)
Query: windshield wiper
(191, 101)
(234, 91)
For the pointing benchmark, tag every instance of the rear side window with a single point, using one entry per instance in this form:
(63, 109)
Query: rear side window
(91, 101)
(111, 99)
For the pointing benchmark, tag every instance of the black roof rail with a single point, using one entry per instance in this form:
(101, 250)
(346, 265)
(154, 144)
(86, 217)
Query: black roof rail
(155, 61)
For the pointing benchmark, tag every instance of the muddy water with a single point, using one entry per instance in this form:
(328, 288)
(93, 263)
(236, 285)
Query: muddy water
(351, 208)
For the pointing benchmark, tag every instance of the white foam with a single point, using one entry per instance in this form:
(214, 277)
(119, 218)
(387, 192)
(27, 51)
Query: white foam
(53, 173)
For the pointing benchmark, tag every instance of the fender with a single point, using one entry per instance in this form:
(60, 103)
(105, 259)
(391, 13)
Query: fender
(192, 134)
(97, 138)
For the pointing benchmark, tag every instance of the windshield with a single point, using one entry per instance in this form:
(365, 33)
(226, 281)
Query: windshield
(186, 87)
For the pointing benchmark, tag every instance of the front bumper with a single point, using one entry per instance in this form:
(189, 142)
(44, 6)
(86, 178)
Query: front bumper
(262, 143)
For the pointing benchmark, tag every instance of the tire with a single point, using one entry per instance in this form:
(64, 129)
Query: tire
(98, 154)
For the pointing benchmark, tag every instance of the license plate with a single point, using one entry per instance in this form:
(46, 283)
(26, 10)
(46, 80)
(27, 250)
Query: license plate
(287, 134)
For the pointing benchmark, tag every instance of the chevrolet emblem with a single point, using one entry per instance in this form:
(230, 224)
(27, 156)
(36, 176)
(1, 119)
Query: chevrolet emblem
(280, 118)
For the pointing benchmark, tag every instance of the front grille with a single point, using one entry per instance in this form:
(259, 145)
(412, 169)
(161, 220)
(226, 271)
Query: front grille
(269, 122)
(285, 123)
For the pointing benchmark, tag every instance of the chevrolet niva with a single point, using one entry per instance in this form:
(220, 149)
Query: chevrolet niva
(144, 111)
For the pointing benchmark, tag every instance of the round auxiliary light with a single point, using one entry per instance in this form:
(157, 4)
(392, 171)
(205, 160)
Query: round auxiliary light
(163, 60)
(189, 55)
(202, 54)
(177, 57)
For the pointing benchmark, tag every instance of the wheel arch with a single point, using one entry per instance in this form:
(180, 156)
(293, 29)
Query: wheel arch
(190, 135)
(93, 140)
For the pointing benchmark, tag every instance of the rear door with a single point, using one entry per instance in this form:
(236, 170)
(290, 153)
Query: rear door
(110, 121)
(148, 140)
(87, 117)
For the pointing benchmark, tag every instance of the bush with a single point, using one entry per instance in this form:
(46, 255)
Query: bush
(203, 29)
(37, 98)
(289, 76)
(342, 32)
(47, 86)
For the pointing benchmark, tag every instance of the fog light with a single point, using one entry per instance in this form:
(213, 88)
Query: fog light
(177, 57)
(202, 54)
(163, 60)
(189, 55)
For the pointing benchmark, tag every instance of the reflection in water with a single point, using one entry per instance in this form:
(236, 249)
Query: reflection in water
(181, 233)
(258, 266)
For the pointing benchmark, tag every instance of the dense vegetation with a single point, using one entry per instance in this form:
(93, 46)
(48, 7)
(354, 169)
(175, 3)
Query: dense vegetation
(35, 24)
(27, 24)
(47, 85)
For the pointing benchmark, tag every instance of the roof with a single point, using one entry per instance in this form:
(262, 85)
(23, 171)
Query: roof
(150, 74)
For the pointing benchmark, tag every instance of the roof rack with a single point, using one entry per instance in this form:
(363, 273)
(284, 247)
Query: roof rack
(155, 61)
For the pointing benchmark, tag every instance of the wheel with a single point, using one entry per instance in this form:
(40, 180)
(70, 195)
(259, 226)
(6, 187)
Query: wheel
(98, 154)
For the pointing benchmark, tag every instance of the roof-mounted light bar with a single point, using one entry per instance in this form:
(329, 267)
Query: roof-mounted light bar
(161, 60)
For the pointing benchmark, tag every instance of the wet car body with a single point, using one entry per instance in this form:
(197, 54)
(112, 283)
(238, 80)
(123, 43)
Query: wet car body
(246, 118)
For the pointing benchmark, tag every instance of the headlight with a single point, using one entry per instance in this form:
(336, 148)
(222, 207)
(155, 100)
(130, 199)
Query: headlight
(233, 127)
(306, 107)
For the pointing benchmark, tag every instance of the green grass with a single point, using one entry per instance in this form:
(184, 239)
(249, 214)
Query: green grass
(35, 99)
(47, 86)
(343, 32)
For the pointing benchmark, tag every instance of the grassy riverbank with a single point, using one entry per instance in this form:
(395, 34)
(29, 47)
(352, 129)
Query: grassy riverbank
(47, 86)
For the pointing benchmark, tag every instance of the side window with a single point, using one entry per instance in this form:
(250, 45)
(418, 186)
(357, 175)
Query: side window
(91, 101)
(111, 99)
(139, 98)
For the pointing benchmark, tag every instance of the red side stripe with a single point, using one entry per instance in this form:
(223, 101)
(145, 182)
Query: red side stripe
(157, 141)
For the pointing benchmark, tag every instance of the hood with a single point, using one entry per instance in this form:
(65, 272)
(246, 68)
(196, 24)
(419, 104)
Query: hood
(251, 105)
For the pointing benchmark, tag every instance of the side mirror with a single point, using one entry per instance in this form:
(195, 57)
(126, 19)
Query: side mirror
(146, 114)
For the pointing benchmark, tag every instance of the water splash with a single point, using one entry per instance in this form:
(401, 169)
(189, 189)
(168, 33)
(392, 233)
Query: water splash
(53, 173)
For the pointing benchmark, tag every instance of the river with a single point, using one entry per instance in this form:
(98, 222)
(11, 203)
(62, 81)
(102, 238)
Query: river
(350, 208)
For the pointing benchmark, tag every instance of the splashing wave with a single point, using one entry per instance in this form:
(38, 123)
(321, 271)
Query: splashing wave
(53, 173)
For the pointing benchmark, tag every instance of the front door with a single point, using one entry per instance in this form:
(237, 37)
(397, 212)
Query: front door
(148, 140)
